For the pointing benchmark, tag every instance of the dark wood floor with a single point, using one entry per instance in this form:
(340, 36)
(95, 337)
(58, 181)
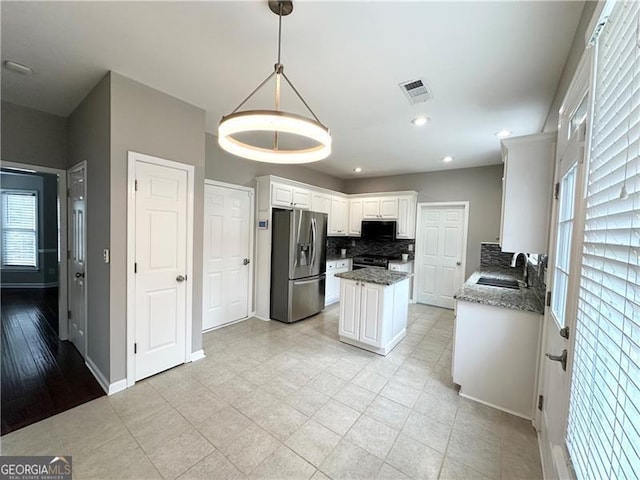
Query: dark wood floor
(41, 376)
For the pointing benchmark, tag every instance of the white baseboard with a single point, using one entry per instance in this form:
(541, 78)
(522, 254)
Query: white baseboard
(262, 318)
(117, 386)
(95, 371)
(197, 355)
(30, 285)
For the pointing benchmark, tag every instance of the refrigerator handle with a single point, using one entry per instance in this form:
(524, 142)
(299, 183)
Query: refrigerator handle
(313, 241)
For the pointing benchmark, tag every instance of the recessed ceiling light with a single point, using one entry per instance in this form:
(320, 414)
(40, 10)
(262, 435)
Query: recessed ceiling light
(503, 133)
(448, 158)
(357, 169)
(17, 67)
(421, 120)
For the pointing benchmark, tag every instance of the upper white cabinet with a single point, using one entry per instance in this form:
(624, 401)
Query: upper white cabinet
(355, 217)
(321, 202)
(406, 216)
(289, 196)
(527, 190)
(338, 216)
(380, 208)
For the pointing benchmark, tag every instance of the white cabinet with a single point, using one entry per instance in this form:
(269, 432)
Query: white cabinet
(288, 196)
(338, 216)
(321, 202)
(495, 356)
(400, 266)
(373, 317)
(407, 217)
(527, 188)
(380, 208)
(332, 284)
(355, 217)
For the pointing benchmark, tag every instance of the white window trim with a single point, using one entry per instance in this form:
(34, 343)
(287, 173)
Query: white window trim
(22, 268)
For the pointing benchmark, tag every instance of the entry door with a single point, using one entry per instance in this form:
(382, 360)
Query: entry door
(77, 258)
(161, 212)
(227, 267)
(564, 266)
(441, 248)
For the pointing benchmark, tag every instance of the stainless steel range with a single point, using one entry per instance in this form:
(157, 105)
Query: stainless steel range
(367, 261)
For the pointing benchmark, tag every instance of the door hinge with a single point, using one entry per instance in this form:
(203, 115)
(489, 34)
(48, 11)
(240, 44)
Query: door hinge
(69, 314)
(135, 185)
(548, 299)
(540, 402)
(556, 191)
(135, 267)
(135, 348)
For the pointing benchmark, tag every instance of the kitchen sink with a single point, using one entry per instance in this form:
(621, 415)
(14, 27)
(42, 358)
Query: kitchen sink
(498, 282)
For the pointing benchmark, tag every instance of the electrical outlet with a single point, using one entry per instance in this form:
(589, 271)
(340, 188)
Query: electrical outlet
(353, 243)
(410, 247)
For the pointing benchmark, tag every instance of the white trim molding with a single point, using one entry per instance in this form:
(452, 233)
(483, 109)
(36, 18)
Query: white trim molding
(132, 159)
(95, 371)
(31, 285)
(118, 386)
(197, 355)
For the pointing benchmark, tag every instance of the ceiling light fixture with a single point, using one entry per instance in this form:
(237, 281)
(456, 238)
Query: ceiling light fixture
(448, 158)
(276, 121)
(420, 121)
(17, 67)
(357, 169)
(503, 133)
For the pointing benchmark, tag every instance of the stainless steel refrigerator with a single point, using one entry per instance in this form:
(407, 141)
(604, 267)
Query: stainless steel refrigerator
(298, 264)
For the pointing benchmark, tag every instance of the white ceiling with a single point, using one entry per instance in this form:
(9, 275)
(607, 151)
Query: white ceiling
(489, 65)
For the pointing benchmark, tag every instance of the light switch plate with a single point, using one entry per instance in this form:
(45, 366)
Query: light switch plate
(410, 248)
(106, 255)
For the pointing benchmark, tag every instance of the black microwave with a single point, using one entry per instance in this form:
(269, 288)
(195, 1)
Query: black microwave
(378, 230)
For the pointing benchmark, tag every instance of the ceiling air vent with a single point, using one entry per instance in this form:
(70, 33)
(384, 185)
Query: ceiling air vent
(415, 91)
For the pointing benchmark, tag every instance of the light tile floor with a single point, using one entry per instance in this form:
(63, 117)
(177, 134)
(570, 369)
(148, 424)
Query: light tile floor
(276, 401)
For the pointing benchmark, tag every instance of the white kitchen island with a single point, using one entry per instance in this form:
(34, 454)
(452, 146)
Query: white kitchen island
(374, 305)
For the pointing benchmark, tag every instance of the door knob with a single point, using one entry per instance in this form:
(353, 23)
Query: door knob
(559, 358)
(79, 274)
(246, 261)
(458, 263)
(181, 278)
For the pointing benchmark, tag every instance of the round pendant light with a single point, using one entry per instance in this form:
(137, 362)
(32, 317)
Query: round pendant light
(275, 121)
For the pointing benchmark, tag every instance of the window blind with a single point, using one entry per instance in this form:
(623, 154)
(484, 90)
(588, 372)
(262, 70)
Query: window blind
(19, 229)
(603, 430)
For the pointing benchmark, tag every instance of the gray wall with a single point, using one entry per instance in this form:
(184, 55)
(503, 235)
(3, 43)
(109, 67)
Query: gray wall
(33, 137)
(47, 187)
(150, 122)
(225, 167)
(577, 48)
(482, 187)
(89, 140)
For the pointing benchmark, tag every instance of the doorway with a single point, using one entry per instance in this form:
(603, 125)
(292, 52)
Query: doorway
(159, 266)
(228, 214)
(441, 247)
(77, 199)
(42, 373)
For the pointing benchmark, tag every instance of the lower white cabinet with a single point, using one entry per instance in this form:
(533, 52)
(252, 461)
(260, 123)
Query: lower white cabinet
(373, 317)
(400, 266)
(495, 356)
(332, 284)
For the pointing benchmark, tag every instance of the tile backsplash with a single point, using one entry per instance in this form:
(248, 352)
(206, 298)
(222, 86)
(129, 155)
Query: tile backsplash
(491, 255)
(375, 247)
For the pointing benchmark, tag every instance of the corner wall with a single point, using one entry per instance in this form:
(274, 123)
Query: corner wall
(147, 121)
(481, 187)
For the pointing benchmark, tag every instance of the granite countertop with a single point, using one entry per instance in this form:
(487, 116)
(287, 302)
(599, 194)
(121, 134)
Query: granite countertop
(523, 299)
(331, 258)
(379, 276)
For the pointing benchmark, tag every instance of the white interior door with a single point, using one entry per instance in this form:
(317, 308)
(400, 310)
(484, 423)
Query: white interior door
(564, 266)
(226, 255)
(77, 259)
(163, 205)
(441, 245)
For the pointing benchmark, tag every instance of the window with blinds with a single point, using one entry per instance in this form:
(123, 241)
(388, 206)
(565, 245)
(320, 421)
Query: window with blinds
(19, 228)
(603, 430)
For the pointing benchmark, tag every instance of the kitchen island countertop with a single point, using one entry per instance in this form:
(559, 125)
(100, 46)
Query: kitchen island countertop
(378, 276)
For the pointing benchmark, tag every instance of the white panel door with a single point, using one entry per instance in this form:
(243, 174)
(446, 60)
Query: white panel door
(321, 202)
(370, 208)
(349, 309)
(77, 259)
(371, 311)
(389, 208)
(440, 255)
(338, 216)
(161, 206)
(355, 217)
(227, 214)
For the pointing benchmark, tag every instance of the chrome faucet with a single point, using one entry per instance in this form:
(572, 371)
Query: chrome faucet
(514, 259)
